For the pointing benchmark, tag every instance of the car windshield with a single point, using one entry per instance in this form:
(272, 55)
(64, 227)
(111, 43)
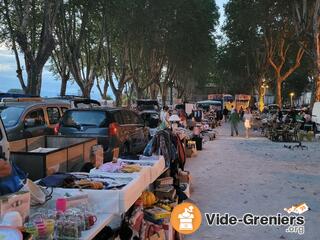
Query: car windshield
(85, 118)
(10, 115)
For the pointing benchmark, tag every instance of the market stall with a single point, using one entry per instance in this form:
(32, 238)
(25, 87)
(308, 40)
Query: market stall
(107, 203)
(78, 205)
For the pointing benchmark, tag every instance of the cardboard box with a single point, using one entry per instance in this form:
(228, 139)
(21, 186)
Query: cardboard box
(165, 193)
(164, 181)
(157, 213)
(184, 177)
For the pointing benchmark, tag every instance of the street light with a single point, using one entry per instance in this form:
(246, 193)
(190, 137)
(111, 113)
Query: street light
(291, 98)
(264, 88)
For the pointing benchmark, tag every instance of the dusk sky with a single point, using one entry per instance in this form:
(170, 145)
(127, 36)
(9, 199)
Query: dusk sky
(50, 85)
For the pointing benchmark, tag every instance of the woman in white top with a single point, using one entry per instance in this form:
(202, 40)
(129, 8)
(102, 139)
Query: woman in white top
(247, 117)
(164, 117)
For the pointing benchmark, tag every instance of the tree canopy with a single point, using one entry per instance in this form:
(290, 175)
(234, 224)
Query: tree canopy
(142, 45)
(140, 48)
(266, 40)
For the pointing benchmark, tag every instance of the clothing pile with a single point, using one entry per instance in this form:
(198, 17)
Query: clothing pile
(183, 133)
(84, 181)
(119, 167)
(165, 143)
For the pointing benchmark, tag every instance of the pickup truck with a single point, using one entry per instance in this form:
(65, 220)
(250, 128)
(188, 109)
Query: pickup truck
(4, 144)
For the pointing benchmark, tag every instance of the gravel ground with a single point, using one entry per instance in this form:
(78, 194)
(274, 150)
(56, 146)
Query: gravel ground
(237, 175)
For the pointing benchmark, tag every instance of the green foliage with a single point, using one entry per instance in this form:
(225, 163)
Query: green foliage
(242, 60)
(144, 42)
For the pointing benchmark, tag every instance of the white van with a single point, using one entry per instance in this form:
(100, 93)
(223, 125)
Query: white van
(316, 115)
(4, 144)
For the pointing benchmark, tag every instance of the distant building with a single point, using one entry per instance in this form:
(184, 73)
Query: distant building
(304, 99)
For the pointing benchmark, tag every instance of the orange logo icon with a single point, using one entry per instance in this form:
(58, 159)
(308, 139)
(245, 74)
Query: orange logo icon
(186, 218)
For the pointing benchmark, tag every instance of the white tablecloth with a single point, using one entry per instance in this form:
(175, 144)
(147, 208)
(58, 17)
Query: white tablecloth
(108, 203)
(157, 165)
(119, 201)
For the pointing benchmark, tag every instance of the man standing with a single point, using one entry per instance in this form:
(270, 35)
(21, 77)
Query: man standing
(234, 120)
(225, 113)
(280, 115)
(241, 113)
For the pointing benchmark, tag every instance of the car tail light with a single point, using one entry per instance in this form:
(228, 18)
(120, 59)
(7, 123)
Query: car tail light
(56, 129)
(113, 129)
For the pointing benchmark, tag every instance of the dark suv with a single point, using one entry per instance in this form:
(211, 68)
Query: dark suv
(113, 127)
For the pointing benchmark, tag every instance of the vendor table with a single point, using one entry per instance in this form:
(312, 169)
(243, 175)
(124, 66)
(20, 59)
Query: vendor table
(112, 203)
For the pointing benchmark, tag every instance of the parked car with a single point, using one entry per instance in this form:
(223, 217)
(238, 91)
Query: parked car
(148, 105)
(76, 102)
(113, 127)
(4, 145)
(13, 95)
(31, 119)
(149, 111)
(206, 104)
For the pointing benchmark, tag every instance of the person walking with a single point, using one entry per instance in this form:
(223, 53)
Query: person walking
(225, 113)
(247, 117)
(164, 117)
(234, 120)
(280, 115)
(241, 113)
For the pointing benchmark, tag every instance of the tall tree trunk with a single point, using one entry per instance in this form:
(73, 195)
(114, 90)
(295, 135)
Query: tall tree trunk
(87, 89)
(317, 87)
(164, 99)
(154, 90)
(34, 80)
(36, 55)
(14, 47)
(103, 92)
(317, 65)
(118, 95)
(139, 91)
(129, 96)
(63, 87)
(279, 92)
(164, 95)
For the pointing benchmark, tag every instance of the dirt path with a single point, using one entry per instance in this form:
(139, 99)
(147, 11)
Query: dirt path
(238, 175)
